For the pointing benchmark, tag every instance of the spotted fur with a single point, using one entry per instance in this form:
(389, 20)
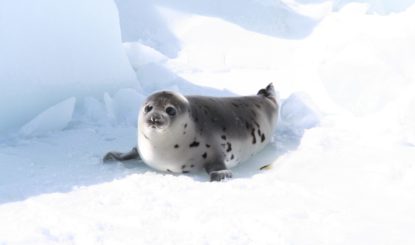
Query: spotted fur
(211, 133)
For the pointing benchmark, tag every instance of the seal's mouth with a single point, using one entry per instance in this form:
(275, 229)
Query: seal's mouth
(156, 121)
(156, 125)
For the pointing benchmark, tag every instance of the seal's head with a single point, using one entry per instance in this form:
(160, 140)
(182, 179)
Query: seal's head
(162, 111)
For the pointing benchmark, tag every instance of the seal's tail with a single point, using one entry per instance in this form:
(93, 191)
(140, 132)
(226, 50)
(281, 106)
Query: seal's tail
(268, 92)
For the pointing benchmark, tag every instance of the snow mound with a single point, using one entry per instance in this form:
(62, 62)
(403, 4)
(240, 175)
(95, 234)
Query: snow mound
(145, 21)
(377, 6)
(382, 70)
(124, 106)
(140, 54)
(53, 119)
(298, 113)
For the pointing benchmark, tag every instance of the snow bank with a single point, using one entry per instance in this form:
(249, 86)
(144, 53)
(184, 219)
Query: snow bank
(54, 50)
(378, 49)
(144, 21)
(55, 118)
(377, 6)
(298, 113)
(352, 61)
(337, 188)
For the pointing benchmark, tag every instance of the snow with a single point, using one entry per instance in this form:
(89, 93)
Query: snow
(53, 119)
(340, 169)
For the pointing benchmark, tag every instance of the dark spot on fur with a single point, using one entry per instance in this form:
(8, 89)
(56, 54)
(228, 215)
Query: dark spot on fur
(253, 113)
(168, 170)
(185, 171)
(184, 132)
(259, 132)
(207, 145)
(224, 129)
(183, 166)
(223, 137)
(256, 123)
(196, 119)
(185, 125)
(253, 136)
(247, 125)
(229, 147)
(204, 155)
(232, 157)
(235, 105)
(192, 166)
(194, 144)
(176, 146)
(262, 137)
(258, 106)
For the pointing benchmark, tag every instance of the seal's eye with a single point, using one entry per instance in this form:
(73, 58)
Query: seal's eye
(171, 111)
(148, 108)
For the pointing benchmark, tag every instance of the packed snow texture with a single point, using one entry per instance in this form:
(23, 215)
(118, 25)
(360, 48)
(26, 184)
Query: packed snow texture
(340, 169)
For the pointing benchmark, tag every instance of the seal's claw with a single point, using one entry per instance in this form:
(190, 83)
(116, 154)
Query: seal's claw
(220, 175)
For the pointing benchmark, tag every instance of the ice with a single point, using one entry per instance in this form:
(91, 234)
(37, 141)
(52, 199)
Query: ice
(126, 104)
(54, 50)
(91, 110)
(298, 113)
(53, 119)
(140, 21)
(144, 21)
(139, 54)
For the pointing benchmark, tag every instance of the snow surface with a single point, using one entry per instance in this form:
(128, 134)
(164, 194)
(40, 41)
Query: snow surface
(341, 167)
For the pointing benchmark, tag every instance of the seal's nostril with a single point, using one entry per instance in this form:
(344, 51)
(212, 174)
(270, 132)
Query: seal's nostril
(155, 119)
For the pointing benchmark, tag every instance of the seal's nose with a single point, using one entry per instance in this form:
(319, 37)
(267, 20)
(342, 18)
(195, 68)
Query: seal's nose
(155, 118)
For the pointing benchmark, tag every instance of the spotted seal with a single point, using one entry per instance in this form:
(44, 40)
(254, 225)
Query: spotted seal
(182, 134)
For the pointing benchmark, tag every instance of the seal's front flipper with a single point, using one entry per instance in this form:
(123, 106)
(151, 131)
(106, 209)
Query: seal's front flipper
(217, 171)
(118, 156)
(220, 175)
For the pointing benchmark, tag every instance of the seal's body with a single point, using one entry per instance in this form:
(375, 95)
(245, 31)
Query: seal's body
(182, 134)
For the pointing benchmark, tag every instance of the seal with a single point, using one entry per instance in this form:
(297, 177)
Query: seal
(182, 134)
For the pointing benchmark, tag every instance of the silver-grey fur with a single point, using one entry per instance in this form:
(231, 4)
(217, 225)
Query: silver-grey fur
(185, 133)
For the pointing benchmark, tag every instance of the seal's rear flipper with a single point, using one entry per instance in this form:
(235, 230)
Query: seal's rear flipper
(268, 92)
(118, 156)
